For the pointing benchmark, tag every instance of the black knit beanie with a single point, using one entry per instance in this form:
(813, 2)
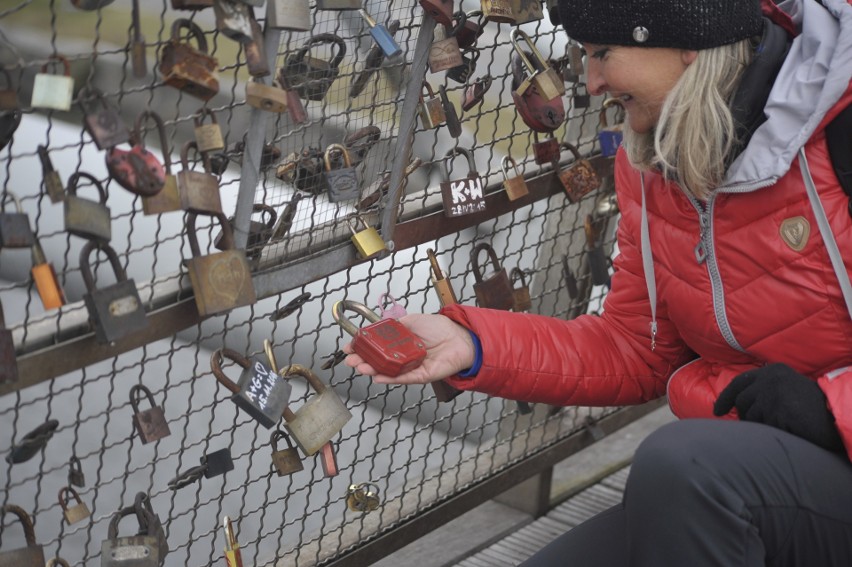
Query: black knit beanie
(683, 24)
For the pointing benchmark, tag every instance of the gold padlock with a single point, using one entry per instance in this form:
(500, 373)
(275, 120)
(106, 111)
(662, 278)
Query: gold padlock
(516, 187)
(75, 513)
(271, 98)
(497, 11)
(432, 112)
(359, 497)
(545, 78)
(208, 137)
(367, 241)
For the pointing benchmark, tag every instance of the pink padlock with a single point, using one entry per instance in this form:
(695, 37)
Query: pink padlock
(395, 311)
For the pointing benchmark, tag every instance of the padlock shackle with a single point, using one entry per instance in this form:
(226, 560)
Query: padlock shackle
(361, 140)
(184, 157)
(321, 38)
(66, 66)
(216, 367)
(459, 20)
(428, 88)
(306, 373)
(194, 31)
(573, 149)
(57, 561)
(344, 153)
(539, 59)
(451, 154)
(136, 393)
(264, 209)
(518, 273)
(26, 521)
(280, 434)
(227, 241)
(504, 168)
(474, 259)
(346, 305)
(74, 180)
(198, 117)
(141, 518)
(75, 465)
(86, 267)
(17, 202)
(62, 497)
(608, 103)
(161, 131)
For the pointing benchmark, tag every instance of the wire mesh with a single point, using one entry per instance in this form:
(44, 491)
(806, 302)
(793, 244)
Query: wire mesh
(417, 452)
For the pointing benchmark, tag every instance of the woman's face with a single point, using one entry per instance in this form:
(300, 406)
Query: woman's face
(640, 77)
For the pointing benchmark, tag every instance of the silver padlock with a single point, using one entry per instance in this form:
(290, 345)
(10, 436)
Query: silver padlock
(320, 418)
(53, 91)
(288, 15)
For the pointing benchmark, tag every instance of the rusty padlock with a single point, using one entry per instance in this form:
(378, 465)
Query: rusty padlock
(385, 344)
(359, 142)
(254, 51)
(76, 513)
(318, 419)
(15, 230)
(102, 120)
(515, 186)
(521, 294)
(186, 68)
(150, 424)
(431, 109)
(83, 217)
(547, 151)
(475, 93)
(440, 10)
(52, 182)
(470, 31)
(494, 289)
(286, 218)
(208, 137)
(198, 191)
(444, 53)
(539, 114)
(579, 178)
(465, 195)
(609, 136)
(221, 281)
(303, 169)
(138, 170)
(115, 311)
(53, 91)
(30, 556)
(286, 461)
(260, 391)
(8, 359)
(342, 181)
(310, 76)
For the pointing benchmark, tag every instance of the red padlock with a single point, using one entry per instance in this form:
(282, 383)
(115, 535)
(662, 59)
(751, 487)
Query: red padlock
(137, 169)
(385, 344)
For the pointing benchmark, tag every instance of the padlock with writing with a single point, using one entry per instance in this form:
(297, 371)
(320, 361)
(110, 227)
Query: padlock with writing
(499, 11)
(44, 277)
(232, 19)
(515, 186)
(318, 419)
(444, 53)
(545, 78)
(8, 360)
(598, 261)
(83, 217)
(381, 36)
(342, 181)
(475, 92)
(327, 457)
(368, 242)
(494, 289)
(440, 10)
(30, 556)
(454, 127)
(465, 195)
(31, 443)
(187, 68)
(168, 199)
(75, 472)
(286, 461)
(431, 110)
(198, 191)
(220, 281)
(53, 91)
(137, 169)
(579, 178)
(525, 11)
(338, 4)
(115, 311)
(52, 182)
(150, 424)
(310, 76)
(288, 15)
(254, 51)
(609, 137)
(208, 137)
(360, 497)
(547, 151)
(271, 98)
(385, 344)
(76, 512)
(471, 29)
(521, 294)
(462, 72)
(102, 120)
(15, 231)
(140, 550)
(539, 114)
(260, 392)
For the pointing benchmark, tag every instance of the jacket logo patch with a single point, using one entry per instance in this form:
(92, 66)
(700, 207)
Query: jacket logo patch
(795, 232)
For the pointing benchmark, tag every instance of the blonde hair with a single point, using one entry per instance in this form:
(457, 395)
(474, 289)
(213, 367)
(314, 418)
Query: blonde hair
(695, 133)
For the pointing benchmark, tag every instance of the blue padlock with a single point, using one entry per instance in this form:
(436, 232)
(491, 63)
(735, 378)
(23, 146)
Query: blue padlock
(609, 136)
(381, 36)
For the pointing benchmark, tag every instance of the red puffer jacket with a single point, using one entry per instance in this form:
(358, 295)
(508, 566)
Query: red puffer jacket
(752, 300)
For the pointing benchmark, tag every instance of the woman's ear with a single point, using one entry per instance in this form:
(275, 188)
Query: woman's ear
(688, 56)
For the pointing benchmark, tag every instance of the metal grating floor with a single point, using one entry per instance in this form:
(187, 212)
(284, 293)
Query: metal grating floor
(523, 543)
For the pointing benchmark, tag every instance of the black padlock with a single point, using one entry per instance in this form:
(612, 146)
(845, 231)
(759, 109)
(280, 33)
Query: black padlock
(260, 392)
(151, 423)
(217, 463)
(75, 472)
(15, 231)
(309, 76)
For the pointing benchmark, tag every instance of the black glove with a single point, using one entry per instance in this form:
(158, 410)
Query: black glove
(779, 396)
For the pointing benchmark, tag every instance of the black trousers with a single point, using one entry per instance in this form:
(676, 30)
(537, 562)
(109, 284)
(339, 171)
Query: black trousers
(705, 493)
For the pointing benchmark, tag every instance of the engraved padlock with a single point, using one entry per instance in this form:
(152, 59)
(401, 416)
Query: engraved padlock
(286, 461)
(8, 360)
(515, 186)
(115, 311)
(75, 472)
(53, 91)
(367, 241)
(579, 178)
(318, 419)
(342, 181)
(208, 137)
(168, 199)
(30, 556)
(545, 78)
(232, 19)
(31, 443)
(102, 120)
(150, 424)
(83, 217)
(494, 289)
(44, 277)
(220, 281)
(76, 512)
(440, 10)
(360, 497)
(271, 98)
(525, 11)
(465, 195)
(338, 4)
(137, 169)
(15, 230)
(539, 114)
(499, 11)
(431, 110)
(609, 137)
(310, 76)
(545, 151)
(260, 392)
(52, 182)
(141, 550)
(444, 53)
(187, 68)
(521, 294)
(385, 344)
(288, 15)
(198, 191)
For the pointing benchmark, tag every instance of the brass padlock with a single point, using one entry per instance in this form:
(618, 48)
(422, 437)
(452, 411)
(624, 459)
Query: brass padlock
(52, 182)
(310, 76)
(288, 15)
(318, 419)
(545, 78)
(431, 110)
(30, 556)
(547, 151)
(444, 53)
(499, 11)
(580, 177)
(187, 68)
(232, 20)
(198, 191)
(83, 217)
(15, 230)
(359, 497)
(338, 4)
(75, 472)
(494, 289)
(521, 294)
(260, 391)
(168, 199)
(76, 513)
(141, 550)
(44, 277)
(271, 98)
(609, 136)
(208, 137)
(53, 91)
(368, 242)
(342, 181)
(102, 120)
(525, 11)
(150, 424)
(286, 461)
(8, 359)
(138, 55)
(461, 196)
(516, 186)
(443, 391)
(221, 281)
(115, 311)
(233, 555)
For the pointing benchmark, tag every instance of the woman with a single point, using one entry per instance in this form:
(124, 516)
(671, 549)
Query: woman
(728, 294)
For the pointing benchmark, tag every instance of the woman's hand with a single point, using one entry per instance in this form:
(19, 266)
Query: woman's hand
(449, 350)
